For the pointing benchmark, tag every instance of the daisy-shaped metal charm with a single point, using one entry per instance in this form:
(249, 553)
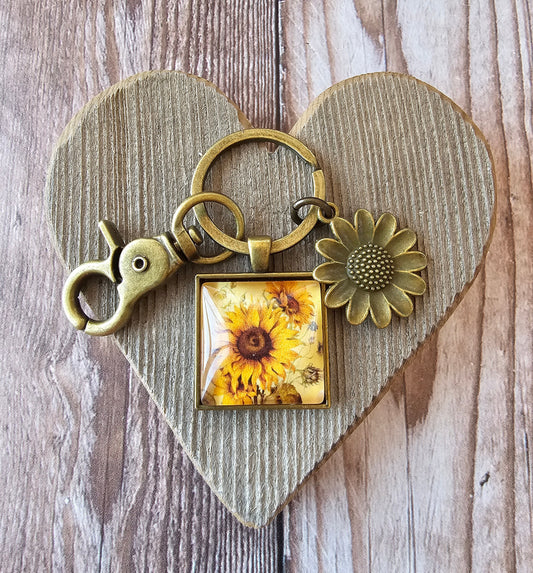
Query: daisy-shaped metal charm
(371, 268)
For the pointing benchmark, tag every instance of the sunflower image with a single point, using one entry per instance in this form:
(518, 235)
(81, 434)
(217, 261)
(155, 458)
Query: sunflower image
(259, 348)
(371, 268)
(234, 395)
(294, 300)
(285, 394)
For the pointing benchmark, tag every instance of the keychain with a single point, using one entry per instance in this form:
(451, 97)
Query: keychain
(262, 337)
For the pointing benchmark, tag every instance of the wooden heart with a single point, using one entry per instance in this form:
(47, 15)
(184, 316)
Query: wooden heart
(386, 142)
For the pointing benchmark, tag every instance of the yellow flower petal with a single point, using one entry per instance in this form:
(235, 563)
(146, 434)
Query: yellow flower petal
(253, 316)
(221, 385)
(358, 307)
(340, 293)
(277, 368)
(401, 242)
(257, 373)
(279, 354)
(231, 400)
(330, 272)
(411, 261)
(409, 282)
(364, 225)
(333, 250)
(345, 232)
(379, 309)
(281, 330)
(384, 230)
(247, 373)
(398, 300)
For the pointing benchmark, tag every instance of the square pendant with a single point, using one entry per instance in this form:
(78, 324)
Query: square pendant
(261, 341)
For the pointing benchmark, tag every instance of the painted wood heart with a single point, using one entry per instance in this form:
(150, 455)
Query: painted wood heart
(385, 142)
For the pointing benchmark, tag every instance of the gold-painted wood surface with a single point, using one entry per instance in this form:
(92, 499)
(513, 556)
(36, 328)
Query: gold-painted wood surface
(436, 478)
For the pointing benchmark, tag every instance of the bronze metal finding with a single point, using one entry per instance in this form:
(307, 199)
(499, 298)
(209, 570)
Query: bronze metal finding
(244, 395)
(141, 265)
(326, 214)
(371, 268)
(271, 135)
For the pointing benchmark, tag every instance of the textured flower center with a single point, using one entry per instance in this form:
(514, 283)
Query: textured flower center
(293, 306)
(370, 267)
(311, 375)
(254, 343)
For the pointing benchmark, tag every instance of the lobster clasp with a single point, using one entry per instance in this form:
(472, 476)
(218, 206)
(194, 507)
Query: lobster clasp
(140, 266)
(136, 268)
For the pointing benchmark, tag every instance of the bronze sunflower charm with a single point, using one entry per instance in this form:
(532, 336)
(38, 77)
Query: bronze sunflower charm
(371, 268)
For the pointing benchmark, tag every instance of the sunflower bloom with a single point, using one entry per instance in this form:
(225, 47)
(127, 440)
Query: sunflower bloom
(285, 394)
(294, 300)
(371, 268)
(231, 395)
(260, 347)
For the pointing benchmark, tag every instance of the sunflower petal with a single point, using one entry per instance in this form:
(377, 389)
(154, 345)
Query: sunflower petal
(277, 368)
(253, 316)
(364, 225)
(379, 309)
(330, 273)
(340, 293)
(247, 373)
(409, 282)
(401, 242)
(398, 300)
(358, 307)
(257, 372)
(411, 261)
(333, 250)
(345, 232)
(384, 230)
(231, 400)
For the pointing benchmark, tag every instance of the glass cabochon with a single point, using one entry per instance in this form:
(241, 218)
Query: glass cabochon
(261, 343)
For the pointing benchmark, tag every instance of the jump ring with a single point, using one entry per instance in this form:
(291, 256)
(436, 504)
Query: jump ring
(190, 203)
(327, 210)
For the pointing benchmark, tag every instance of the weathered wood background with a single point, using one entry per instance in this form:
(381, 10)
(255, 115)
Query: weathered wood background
(436, 478)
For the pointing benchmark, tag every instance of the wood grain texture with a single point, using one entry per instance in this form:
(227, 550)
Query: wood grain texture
(461, 488)
(129, 156)
(398, 497)
(93, 478)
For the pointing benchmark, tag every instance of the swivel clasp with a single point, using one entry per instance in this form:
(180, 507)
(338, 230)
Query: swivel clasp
(136, 268)
(140, 266)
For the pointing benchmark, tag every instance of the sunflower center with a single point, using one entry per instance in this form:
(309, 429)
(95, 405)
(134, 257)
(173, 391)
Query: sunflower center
(254, 343)
(370, 267)
(293, 306)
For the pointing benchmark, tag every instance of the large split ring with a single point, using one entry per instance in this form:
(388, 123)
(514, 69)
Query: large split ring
(235, 244)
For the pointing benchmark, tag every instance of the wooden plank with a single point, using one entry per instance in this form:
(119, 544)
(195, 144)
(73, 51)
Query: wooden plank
(93, 477)
(461, 410)
(51, 509)
(502, 482)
